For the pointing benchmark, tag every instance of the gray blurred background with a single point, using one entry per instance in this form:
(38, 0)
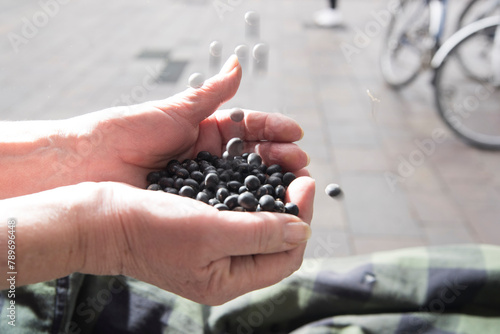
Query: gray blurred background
(61, 58)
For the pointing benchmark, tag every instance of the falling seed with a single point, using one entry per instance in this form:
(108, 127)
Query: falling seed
(252, 26)
(241, 51)
(237, 115)
(333, 190)
(216, 48)
(234, 147)
(196, 80)
(260, 52)
(252, 18)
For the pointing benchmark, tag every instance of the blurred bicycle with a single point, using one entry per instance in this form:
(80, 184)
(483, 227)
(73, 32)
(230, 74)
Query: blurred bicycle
(466, 65)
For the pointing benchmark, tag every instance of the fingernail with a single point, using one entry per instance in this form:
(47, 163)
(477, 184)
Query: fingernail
(301, 134)
(308, 159)
(230, 64)
(297, 232)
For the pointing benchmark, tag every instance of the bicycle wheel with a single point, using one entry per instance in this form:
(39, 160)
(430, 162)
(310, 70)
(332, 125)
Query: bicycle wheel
(474, 11)
(406, 42)
(470, 105)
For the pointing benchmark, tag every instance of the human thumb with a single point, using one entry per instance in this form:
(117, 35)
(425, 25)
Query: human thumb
(196, 104)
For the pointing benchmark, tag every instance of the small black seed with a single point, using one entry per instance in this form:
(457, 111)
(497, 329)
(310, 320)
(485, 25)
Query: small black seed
(288, 178)
(210, 193)
(172, 190)
(204, 155)
(278, 175)
(231, 201)
(202, 197)
(252, 182)
(192, 166)
(198, 176)
(225, 176)
(153, 177)
(235, 146)
(237, 177)
(262, 191)
(292, 209)
(213, 201)
(166, 182)
(187, 191)
(262, 168)
(234, 186)
(254, 160)
(211, 180)
(221, 207)
(270, 189)
(244, 168)
(248, 201)
(274, 181)
(178, 183)
(154, 186)
(242, 189)
(279, 192)
(172, 166)
(279, 207)
(267, 203)
(237, 115)
(193, 184)
(262, 177)
(273, 169)
(333, 190)
(222, 194)
(182, 172)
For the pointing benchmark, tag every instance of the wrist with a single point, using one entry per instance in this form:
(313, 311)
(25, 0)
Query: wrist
(31, 153)
(51, 235)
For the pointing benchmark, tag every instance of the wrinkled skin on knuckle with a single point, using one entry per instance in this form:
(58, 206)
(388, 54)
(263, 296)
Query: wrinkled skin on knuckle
(262, 236)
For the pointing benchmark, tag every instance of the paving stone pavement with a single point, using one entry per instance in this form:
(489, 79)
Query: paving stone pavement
(63, 58)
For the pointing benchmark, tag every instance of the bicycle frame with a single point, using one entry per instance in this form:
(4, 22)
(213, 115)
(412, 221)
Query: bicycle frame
(437, 10)
(463, 33)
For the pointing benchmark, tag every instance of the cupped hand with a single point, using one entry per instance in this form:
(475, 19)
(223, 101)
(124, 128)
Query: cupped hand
(192, 249)
(125, 143)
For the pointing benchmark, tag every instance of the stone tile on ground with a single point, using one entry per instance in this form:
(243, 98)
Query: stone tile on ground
(484, 220)
(443, 235)
(86, 58)
(360, 159)
(328, 212)
(435, 206)
(352, 134)
(370, 244)
(373, 209)
(328, 242)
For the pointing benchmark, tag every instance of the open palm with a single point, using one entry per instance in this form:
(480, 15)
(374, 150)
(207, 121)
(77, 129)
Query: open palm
(135, 140)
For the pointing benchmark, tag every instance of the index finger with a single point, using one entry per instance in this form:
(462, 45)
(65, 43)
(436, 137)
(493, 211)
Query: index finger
(259, 126)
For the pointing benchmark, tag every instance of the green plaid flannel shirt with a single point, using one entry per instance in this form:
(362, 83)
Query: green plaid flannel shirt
(438, 290)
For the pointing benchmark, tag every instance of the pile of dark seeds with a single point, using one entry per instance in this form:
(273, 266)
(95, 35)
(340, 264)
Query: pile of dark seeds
(234, 182)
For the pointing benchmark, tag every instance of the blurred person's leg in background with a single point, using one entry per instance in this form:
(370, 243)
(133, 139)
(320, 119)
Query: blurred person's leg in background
(328, 17)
